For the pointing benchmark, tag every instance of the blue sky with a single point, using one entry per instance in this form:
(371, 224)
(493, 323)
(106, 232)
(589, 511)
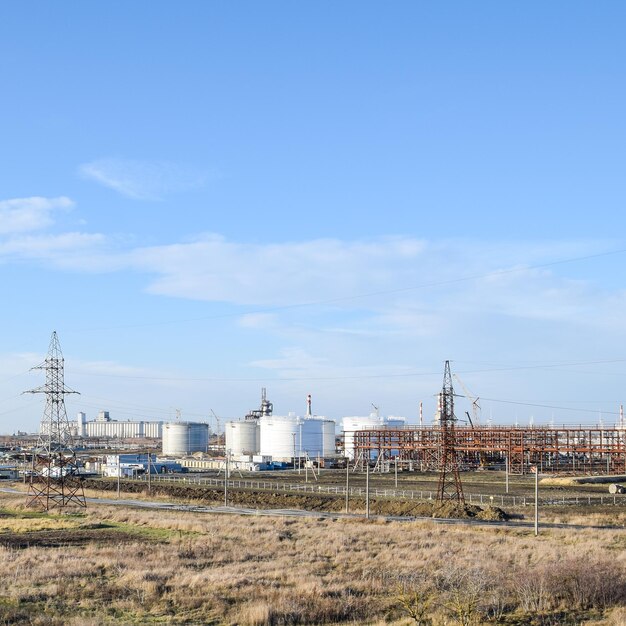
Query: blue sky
(331, 198)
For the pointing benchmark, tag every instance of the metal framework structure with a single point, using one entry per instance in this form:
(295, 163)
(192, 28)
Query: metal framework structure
(576, 450)
(449, 486)
(54, 480)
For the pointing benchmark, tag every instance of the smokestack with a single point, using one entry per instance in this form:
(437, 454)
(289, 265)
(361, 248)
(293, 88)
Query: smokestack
(421, 415)
(308, 406)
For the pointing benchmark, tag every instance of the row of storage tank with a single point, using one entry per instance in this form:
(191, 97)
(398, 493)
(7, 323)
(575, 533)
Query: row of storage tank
(280, 437)
(286, 437)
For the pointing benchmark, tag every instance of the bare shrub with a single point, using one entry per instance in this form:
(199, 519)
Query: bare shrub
(463, 592)
(416, 603)
(584, 584)
(532, 591)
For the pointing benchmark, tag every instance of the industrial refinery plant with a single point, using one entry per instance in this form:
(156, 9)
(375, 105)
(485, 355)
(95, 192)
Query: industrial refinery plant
(263, 441)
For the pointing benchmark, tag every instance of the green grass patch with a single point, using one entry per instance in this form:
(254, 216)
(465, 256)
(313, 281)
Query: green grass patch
(146, 532)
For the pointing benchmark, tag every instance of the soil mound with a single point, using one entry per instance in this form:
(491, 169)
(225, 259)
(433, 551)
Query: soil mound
(455, 510)
(493, 514)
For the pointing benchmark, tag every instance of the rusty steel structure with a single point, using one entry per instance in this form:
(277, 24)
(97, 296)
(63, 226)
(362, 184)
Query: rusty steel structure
(54, 480)
(575, 450)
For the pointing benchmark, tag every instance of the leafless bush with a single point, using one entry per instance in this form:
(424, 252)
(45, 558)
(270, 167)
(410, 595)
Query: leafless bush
(584, 584)
(532, 591)
(571, 583)
(464, 591)
(416, 603)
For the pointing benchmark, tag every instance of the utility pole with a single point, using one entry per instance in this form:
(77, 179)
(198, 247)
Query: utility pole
(535, 469)
(367, 488)
(347, 483)
(396, 472)
(119, 474)
(506, 471)
(226, 475)
(149, 472)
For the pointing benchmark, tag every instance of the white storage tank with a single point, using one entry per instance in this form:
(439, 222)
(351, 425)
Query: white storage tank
(328, 437)
(280, 436)
(311, 437)
(353, 423)
(183, 438)
(243, 437)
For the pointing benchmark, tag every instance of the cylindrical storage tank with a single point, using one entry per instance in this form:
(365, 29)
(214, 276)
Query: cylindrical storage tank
(242, 437)
(392, 423)
(280, 436)
(351, 424)
(183, 438)
(328, 437)
(311, 438)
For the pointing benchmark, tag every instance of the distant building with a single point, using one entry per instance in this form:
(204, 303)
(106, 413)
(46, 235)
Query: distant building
(134, 465)
(103, 426)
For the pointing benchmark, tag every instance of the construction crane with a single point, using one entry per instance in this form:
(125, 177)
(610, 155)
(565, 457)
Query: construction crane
(475, 412)
(475, 421)
(217, 420)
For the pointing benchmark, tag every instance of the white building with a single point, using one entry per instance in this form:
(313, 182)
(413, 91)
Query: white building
(105, 427)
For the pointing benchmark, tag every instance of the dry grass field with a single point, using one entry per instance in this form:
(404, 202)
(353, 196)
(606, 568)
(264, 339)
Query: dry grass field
(112, 565)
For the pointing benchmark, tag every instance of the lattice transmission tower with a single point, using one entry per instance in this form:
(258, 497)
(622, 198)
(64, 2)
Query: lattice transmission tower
(449, 486)
(54, 481)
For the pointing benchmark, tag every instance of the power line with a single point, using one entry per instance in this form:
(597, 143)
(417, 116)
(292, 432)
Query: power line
(548, 406)
(370, 294)
(349, 377)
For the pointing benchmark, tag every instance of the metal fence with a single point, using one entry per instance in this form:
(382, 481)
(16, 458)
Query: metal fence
(404, 494)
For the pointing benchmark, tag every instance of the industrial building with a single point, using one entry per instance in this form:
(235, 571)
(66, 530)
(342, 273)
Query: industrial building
(105, 427)
(133, 465)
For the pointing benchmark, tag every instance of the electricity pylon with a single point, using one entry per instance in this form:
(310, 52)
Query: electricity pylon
(449, 487)
(54, 480)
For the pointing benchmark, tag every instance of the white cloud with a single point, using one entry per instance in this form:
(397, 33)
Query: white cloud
(292, 359)
(385, 286)
(215, 269)
(18, 215)
(67, 249)
(143, 180)
(258, 321)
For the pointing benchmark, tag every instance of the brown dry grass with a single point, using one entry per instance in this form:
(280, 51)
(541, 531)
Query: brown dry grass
(184, 568)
